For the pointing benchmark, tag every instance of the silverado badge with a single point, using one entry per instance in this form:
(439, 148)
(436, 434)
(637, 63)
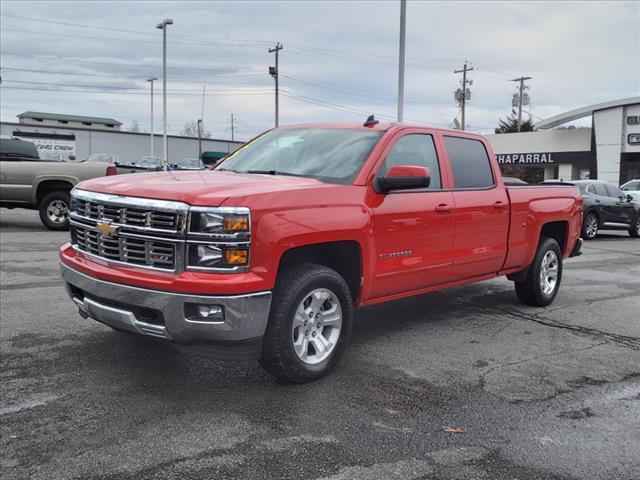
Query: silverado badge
(105, 228)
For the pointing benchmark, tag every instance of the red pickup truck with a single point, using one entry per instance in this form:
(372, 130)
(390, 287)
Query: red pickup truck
(267, 256)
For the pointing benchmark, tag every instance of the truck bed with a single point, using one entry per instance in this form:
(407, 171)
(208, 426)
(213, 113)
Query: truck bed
(533, 206)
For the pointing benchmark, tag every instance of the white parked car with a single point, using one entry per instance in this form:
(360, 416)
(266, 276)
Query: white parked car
(632, 187)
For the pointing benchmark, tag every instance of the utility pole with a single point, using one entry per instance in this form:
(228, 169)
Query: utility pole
(463, 94)
(165, 146)
(233, 128)
(151, 80)
(522, 98)
(273, 71)
(403, 23)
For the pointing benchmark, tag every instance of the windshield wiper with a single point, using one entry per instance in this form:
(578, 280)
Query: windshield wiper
(270, 172)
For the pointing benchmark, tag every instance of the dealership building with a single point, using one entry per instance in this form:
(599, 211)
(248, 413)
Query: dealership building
(79, 136)
(609, 150)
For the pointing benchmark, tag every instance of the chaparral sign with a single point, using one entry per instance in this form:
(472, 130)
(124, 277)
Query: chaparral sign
(525, 158)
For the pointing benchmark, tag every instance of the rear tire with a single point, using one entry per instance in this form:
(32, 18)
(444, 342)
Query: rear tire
(544, 276)
(590, 226)
(634, 231)
(306, 296)
(54, 210)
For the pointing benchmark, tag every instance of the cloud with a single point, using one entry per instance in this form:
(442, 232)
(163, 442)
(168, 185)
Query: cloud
(339, 59)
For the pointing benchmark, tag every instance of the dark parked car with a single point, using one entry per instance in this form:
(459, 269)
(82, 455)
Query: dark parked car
(607, 207)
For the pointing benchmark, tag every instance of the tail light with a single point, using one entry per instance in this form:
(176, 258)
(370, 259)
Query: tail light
(111, 170)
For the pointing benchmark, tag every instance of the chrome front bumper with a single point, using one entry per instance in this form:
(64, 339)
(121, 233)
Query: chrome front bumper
(162, 314)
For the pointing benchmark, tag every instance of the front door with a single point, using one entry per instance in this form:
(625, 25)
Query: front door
(413, 228)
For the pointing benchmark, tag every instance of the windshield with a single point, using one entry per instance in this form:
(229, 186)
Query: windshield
(101, 158)
(149, 162)
(189, 163)
(331, 155)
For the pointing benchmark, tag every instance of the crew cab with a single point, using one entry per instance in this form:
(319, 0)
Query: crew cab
(28, 181)
(267, 256)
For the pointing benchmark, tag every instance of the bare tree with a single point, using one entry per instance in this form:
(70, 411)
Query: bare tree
(191, 130)
(134, 127)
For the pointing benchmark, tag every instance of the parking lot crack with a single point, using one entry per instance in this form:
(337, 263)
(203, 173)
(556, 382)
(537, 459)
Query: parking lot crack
(623, 340)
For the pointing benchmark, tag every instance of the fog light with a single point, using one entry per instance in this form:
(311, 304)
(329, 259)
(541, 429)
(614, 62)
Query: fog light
(236, 256)
(204, 313)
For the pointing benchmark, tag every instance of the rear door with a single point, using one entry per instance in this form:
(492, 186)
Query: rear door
(481, 209)
(413, 229)
(622, 211)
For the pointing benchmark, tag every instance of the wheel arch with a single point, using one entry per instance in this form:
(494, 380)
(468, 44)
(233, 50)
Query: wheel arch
(50, 185)
(343, 256)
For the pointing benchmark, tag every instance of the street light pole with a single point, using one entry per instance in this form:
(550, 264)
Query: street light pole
(199, 139)
(165, 147)
(151, 80)
(403, 22)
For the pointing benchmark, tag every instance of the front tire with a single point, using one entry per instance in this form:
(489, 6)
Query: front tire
(309, 324)
(590, 226)
(544, 276)
(54, 210)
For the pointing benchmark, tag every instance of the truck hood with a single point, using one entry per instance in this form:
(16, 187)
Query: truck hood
(205, 188)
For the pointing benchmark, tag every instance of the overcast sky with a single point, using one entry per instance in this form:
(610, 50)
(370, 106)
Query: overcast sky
(339, 59)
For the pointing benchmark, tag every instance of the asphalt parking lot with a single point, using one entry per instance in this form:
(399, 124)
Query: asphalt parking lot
(525, 393)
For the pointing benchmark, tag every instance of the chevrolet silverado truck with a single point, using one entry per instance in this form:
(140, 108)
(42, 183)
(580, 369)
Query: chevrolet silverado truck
(267, 256)
(28, 181)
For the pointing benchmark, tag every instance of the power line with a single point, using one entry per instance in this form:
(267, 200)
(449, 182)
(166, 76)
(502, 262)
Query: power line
(262, 90)
(113, 92)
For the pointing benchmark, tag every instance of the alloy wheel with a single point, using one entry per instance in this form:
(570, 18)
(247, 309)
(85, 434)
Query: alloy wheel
(57, 211)
(316, 326)
(549, 272)
(591, 228)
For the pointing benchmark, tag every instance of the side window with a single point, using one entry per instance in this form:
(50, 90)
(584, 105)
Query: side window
(414, 149)
(590, 189)
(469, 162)
(600, 190)
(613, 191)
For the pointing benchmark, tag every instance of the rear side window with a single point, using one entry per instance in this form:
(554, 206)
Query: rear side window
(469, 162)
(599, 189)
(613, 191)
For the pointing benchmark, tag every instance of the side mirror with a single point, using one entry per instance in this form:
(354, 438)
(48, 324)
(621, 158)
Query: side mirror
(403, 177)
(629, 198)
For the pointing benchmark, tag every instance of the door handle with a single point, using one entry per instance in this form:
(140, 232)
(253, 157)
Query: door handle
(499, 205)
(443, 208)
(597, 201)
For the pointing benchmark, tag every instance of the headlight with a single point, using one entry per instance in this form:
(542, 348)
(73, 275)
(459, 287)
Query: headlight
(219, 239)
(219, 221)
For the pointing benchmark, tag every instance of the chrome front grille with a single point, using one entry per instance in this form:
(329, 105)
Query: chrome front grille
(135, 251)
(133, 231)
(126, 215)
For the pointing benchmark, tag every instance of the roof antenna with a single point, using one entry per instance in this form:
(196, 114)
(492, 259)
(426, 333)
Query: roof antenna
(371, 121)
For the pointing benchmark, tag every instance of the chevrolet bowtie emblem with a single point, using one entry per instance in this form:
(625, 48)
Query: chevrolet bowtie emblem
(105, 228)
